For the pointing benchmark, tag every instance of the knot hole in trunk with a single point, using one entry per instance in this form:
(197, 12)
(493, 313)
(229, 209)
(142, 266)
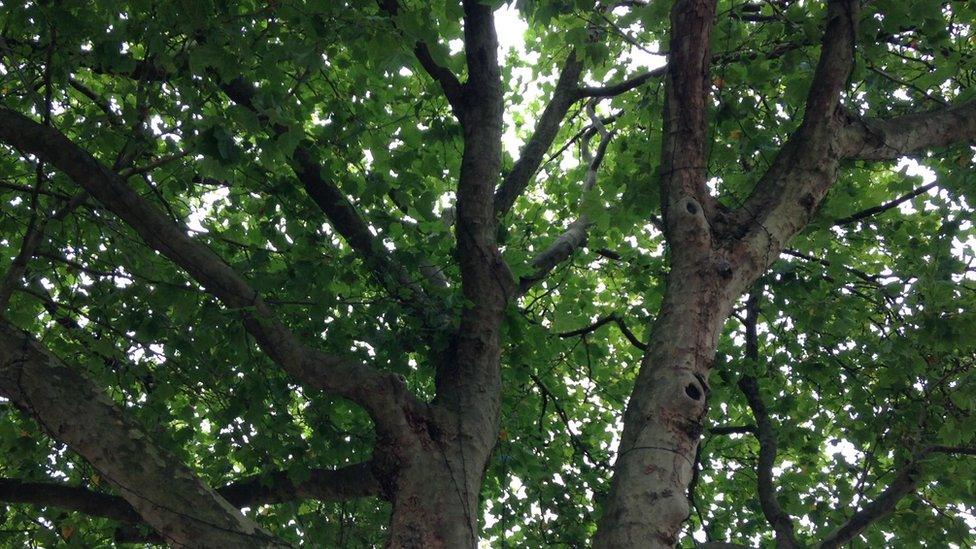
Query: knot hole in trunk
(693, 391)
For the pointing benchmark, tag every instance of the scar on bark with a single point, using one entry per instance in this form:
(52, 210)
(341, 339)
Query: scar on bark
(807, 202)
(724, 268)
(654, 496)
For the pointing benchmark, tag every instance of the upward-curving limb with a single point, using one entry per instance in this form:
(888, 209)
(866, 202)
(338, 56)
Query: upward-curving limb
(563, 97)
(781, 521)
(383, 395)
(163, 491)
(786, 197)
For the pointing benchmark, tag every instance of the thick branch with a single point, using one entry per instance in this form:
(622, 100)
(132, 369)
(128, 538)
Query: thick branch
(468, 375)
(350, 482)
(834, 66)
(393, 276)
(733, 430)
(806, 166)
(892, 138)
(545, 132)
(780, 521)
(72, 409)
(565, 95)
(376, 391)
(342, 214)
(685, 199)
(72, 498)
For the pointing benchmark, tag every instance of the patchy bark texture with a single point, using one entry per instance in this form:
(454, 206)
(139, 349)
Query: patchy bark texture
(647, 503)
(715, 256)
(166, 494)
(431, 453)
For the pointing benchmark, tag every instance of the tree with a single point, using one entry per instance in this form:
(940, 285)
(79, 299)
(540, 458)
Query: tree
(273, 278)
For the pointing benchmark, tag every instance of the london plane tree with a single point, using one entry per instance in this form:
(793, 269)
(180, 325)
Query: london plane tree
(351, 274)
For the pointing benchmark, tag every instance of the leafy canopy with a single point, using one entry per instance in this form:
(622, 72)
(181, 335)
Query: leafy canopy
(867, 328)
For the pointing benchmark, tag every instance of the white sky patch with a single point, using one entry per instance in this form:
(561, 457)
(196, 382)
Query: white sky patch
(914, 169)
(511, 31)
(206, 208)
(846, 450)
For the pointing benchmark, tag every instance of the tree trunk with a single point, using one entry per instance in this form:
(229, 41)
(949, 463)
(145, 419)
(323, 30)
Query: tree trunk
(436, 482)
(664, 418)
(436, 502)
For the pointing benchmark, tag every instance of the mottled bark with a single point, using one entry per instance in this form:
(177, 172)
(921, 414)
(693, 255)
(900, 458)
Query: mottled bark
(664, 419)
(164, 492)
(437, 481)
(892, 138)
(383, 395)
(647, 503)
(715, 255)
(437, 484)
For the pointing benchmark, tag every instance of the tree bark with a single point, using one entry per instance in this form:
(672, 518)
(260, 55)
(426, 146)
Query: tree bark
(441, 466)
(164, 492)
(647, 503)
(436, 485)
(715, 256)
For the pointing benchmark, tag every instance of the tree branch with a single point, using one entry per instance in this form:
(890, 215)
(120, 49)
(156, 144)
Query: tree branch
(578, 444)
(72, 409)
(448, 81)
(564, 95)
(342, 214)
(31, 242)
(383, 395)
(685, 199)
(733, 430)
(881, 208)
(354, 481)
(780, 521)
(952, 450)
(611, 90)
(575, 235)
(612, 317)
(789, 192)
(393, 276)
(905, 482)
(891, 138)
